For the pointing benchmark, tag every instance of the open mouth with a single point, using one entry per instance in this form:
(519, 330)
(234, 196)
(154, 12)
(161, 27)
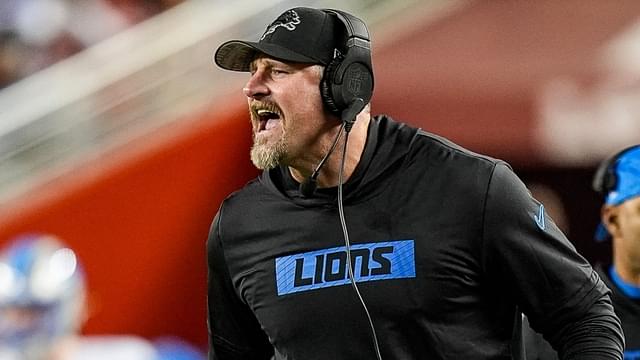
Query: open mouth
(267, 116)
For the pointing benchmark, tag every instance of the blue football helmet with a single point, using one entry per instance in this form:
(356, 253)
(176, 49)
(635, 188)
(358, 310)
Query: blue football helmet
(42, 295)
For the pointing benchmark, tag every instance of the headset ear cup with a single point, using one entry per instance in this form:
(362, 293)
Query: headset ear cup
(348, 78)
(327, 86)
(357, 83)
(339, 91)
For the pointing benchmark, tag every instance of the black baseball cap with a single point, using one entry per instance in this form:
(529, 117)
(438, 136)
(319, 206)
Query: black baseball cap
(300, 34)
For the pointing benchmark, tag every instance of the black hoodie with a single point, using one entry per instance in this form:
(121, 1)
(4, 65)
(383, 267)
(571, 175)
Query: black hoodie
(447, 246)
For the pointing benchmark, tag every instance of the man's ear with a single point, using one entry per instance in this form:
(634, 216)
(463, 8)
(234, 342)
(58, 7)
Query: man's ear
(609, 217)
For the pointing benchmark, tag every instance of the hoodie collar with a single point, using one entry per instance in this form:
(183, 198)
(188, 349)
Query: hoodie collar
(386, 143)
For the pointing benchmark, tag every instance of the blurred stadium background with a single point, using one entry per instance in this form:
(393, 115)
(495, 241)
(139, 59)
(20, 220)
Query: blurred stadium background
(119, 135)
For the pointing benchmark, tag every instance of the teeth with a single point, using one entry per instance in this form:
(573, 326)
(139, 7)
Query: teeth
(267, 113)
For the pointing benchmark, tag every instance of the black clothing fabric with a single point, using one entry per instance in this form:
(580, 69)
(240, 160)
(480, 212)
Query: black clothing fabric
(536, 347)
(448, 248)
(627, 309)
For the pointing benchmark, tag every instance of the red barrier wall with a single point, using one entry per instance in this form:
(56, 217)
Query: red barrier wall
(139, 217)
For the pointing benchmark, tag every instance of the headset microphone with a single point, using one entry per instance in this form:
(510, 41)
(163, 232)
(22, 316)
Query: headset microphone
(308, 187)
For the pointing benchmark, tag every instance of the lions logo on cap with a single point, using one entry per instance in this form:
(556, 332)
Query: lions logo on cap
(288, 20)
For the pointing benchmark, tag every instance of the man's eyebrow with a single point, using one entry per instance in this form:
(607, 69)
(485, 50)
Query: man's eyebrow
(273, 63)
(269, 63)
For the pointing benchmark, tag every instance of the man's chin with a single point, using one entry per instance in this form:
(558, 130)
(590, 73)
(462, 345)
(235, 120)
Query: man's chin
(264, 158)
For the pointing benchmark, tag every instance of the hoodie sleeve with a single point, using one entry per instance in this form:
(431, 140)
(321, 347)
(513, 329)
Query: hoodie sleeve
(559, 291)
(234, 332)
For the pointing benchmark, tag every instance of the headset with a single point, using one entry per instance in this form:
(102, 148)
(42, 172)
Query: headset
(605, 179)
(347, 83)
(348, 78)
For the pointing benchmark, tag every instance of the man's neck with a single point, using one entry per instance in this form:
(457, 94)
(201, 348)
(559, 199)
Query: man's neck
(330, 172)
(627, 267)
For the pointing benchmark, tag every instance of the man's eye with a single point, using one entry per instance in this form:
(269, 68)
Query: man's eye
(278, 71)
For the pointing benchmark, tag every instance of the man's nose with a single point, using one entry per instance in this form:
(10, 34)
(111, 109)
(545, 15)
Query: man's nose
(256, 88)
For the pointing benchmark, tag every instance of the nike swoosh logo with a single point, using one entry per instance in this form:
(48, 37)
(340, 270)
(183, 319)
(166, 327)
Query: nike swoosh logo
(540, 218)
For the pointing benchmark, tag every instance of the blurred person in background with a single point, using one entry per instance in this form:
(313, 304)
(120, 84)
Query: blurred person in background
(12, 51)
(617, 180)
(43, 307)
(449, 246)
(36, 34)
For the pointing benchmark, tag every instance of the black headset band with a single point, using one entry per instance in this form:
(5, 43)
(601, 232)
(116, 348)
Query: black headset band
(348, 79)
(355, 27)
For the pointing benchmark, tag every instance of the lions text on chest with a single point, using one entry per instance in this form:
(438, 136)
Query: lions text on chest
(328, 267)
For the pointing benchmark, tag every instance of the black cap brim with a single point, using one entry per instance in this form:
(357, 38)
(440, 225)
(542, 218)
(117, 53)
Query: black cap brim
(237, 55)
